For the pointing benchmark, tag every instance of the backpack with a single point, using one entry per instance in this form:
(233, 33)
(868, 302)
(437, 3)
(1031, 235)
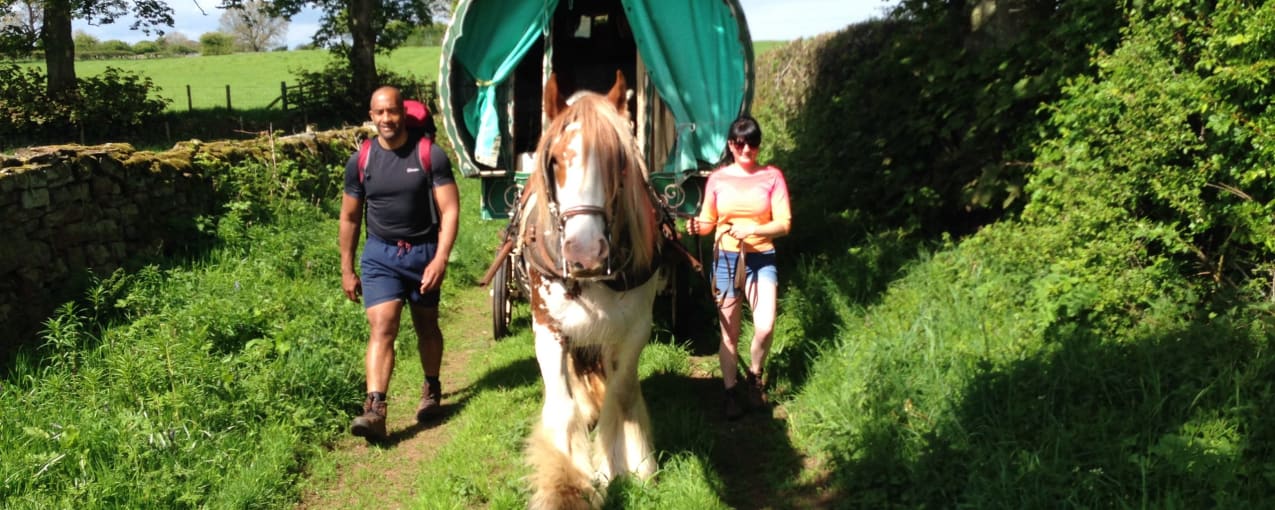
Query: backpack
(419, 122)
(423, 147)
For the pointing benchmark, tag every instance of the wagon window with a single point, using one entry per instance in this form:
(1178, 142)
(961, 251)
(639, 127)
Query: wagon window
(585, 29)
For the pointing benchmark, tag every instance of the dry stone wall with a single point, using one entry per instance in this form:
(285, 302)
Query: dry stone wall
(68, 211)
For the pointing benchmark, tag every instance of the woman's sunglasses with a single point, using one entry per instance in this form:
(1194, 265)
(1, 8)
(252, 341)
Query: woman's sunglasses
(740, 143)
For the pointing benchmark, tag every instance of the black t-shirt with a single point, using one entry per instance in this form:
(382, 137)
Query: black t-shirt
(399, 197)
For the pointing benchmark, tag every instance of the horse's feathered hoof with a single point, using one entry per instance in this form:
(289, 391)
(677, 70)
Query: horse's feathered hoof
(556, 482)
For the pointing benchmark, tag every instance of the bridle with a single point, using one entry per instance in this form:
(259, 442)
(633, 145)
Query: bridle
(558, 216)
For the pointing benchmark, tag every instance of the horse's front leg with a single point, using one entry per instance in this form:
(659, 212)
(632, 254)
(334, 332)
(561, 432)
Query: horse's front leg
(558, 450)
(559, 420)
(624, 427)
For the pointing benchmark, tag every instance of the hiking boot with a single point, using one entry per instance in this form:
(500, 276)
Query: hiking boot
(431, 402)
(371, 424)
(755, 386)
(731, 403)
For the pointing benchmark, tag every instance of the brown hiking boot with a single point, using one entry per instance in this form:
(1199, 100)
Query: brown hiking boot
(755, 387)
(431, 402)
(371, 424)
(731, 403)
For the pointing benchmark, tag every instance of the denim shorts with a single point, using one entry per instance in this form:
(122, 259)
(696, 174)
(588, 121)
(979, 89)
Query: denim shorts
(760, 267)
(393, 271)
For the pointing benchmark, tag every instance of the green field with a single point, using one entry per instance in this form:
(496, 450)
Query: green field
(253, 78)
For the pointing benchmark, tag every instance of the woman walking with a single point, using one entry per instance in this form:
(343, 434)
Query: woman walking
(745, 207)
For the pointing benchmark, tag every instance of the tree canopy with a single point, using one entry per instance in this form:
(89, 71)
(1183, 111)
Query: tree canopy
(358, 29)
(253, 26)
(50, 30)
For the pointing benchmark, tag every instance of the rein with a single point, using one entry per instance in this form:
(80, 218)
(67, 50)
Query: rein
(738, 272)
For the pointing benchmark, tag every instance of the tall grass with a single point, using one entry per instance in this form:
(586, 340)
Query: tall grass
(210, 383)
(199, 385)
(965, 385)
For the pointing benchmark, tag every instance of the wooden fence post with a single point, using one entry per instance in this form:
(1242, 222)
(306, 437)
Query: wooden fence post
(283, 93)
(228, 108)
(189, 104)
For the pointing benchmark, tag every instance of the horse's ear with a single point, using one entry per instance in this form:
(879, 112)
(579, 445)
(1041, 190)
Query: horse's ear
(618, 95)
(554, 104)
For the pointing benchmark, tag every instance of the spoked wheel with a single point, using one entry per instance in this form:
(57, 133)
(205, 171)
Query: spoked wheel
(502, 305)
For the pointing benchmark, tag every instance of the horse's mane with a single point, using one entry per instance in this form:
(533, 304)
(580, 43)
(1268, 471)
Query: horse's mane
(606, 133)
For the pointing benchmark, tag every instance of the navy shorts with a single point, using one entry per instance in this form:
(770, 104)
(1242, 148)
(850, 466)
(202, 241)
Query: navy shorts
(760, 267)
(393, 271)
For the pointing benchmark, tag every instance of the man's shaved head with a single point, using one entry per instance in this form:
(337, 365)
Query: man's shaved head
(388, 93)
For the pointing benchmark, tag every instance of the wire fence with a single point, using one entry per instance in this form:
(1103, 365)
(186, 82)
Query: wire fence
(286, 97)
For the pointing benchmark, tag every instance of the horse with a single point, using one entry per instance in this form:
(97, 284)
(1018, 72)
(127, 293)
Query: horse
(590, 238)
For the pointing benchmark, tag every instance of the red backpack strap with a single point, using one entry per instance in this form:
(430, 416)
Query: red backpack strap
(365, 150)
(423, 147)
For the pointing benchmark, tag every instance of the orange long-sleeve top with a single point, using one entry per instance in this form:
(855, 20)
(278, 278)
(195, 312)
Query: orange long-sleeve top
(733, 196)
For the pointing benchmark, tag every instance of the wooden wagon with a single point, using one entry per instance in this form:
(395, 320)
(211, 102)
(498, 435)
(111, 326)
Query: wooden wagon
(689, 64)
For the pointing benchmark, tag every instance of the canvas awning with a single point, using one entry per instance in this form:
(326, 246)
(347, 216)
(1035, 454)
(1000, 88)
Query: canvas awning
(698, 55)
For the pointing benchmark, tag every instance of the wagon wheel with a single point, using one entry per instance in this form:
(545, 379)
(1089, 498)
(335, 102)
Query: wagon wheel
(502, 305)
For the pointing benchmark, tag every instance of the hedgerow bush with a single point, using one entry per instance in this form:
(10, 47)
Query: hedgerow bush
(1110, 346)
(114, 103)
(1168, 153)
(921, 121)
(329, 93)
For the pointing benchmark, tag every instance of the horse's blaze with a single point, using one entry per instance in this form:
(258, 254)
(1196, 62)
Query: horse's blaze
(584, 248)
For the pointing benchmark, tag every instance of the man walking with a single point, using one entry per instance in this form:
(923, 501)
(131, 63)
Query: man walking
(412, 211)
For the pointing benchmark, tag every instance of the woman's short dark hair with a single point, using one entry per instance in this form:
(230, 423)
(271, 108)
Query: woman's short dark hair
(747, 129)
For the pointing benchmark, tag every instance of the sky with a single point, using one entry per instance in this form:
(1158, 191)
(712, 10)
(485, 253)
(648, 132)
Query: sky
(768, 20)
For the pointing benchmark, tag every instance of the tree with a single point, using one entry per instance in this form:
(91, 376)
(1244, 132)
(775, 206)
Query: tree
(85, 41)
(216, 43)
(177, 43)
(357, 29)
(20, 21)
(253, 27)
(146, 47)
(54, 31)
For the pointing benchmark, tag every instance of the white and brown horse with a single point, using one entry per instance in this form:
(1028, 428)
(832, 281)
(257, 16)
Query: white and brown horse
(589, 237)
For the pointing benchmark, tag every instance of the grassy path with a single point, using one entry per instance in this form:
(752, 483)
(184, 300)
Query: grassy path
(359, 474)
(749, 463)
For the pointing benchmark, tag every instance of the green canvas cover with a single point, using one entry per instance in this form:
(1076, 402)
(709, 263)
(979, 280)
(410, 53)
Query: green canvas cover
(698, 54)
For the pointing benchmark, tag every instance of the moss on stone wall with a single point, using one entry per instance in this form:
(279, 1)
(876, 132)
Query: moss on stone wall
(68, 211)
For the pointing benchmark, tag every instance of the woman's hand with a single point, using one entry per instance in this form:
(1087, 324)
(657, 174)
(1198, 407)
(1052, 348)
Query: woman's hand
(742, 231)
(692, 226)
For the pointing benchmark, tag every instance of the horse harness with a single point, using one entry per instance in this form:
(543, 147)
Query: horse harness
(540, 243)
